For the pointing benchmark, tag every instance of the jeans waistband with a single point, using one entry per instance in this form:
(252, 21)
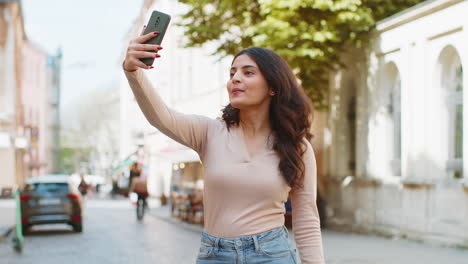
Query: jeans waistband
(245, 241)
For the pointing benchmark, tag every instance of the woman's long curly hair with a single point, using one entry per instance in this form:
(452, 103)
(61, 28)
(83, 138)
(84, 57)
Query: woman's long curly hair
(290, 113)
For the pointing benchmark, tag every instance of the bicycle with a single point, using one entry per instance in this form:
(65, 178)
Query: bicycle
(141, 206)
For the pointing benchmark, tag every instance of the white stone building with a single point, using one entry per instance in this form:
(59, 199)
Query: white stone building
(395, 160)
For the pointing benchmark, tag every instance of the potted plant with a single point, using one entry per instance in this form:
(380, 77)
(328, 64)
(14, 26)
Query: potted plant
(163, 199)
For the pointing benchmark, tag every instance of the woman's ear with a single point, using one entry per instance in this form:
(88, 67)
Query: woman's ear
(272, 93)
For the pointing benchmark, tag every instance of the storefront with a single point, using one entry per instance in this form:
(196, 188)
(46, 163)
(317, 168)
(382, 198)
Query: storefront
(7, 162)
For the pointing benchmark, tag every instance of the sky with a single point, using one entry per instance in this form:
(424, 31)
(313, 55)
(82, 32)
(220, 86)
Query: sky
(91, 34)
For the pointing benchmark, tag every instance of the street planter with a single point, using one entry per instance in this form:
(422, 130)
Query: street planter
(417, 184)
(366, 182)
(465, 187)
(163, 199)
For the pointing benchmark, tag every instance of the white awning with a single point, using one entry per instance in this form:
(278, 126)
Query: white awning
(5, 140)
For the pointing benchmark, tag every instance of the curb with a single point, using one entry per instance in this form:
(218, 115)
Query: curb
(5, 233)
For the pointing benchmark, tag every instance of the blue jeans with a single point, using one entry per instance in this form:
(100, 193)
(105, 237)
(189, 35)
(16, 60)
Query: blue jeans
(272, 247)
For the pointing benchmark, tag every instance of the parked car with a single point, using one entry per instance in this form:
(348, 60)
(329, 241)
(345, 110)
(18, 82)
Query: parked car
(51, 199)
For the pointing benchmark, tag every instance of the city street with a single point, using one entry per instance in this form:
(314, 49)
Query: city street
(113, 235)
(207, 106)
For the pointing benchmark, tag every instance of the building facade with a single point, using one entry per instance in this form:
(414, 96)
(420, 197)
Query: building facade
(53, 145)
(395, 144)
(40, 105)
(11, 40)
(28, 82)
(33, 109)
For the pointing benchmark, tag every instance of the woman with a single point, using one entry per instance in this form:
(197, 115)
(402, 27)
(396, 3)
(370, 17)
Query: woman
(253, 157)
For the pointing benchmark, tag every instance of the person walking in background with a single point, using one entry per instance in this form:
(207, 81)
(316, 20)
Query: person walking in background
(254, 156)
(139, 186)
(83, 186)
(135, 171)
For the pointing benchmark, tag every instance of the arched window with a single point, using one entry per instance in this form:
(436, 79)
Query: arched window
(352, 125)
(393, 101)
(452, 85)
(456, 150)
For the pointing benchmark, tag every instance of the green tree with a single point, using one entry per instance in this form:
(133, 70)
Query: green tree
(309, 34)
(72, 158)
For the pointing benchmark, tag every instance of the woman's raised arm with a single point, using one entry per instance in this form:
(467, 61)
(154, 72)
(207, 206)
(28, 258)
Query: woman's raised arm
(190, 130)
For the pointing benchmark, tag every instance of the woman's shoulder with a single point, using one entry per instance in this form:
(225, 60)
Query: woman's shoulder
(220, 128)
(308, 150)
(214, 125)
(219, 123)
(206, 121)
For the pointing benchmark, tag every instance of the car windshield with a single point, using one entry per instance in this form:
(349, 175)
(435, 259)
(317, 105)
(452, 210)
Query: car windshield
(50, 188)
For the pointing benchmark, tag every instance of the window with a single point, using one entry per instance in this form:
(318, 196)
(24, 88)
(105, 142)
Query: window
(452, 88)
(457, 153)
(393, 101)
(49, 188)
(352, 122)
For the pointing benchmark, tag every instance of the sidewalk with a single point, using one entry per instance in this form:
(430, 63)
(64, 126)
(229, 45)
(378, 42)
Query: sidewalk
(350, 248)
(164, 213)
(7, 219)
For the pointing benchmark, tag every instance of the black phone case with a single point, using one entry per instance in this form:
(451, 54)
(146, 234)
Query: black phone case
(158, 22)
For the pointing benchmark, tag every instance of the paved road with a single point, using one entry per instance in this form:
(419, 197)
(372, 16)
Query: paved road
(112, 235)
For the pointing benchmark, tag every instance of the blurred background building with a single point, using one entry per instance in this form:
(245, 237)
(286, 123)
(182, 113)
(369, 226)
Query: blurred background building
(395, 141)
(29, 100)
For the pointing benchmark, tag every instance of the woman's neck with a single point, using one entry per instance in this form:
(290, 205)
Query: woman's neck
(255, 122)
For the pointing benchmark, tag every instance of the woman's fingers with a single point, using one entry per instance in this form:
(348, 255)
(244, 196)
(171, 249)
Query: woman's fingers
(143, 30)
(143, 54)
(140, 64)
(137, 50)
(146, 37)
(152, 47)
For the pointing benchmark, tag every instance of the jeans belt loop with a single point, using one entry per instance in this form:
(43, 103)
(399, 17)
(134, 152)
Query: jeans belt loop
(255, 239)
(286, 231)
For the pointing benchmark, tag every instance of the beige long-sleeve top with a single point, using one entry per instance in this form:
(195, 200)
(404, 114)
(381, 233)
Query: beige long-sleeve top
(243, 194)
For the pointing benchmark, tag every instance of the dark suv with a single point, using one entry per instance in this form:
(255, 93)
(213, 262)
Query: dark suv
(51, 199)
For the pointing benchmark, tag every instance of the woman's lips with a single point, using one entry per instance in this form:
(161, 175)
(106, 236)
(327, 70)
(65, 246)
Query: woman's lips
(237, 91)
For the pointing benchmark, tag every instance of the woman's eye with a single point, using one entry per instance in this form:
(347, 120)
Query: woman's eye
(249, 73)
(231, 74)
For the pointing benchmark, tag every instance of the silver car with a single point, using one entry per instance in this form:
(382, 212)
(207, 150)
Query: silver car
(51, 199)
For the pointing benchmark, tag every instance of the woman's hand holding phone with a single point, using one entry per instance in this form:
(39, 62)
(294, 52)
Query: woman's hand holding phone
(137, 50)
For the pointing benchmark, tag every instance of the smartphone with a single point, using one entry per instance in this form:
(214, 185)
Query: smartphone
(159, 22)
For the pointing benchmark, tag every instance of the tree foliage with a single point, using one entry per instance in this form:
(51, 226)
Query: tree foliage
(309, 34)
(72, 158)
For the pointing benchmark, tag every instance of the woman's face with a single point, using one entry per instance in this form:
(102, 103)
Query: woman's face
(247, 87)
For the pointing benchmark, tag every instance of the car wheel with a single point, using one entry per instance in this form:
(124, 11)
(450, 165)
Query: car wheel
(78, 227)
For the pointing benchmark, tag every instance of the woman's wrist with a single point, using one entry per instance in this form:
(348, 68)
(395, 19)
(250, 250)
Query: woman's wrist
(123, 67)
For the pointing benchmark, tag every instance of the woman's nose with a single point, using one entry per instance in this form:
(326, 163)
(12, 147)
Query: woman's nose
(235, 78)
